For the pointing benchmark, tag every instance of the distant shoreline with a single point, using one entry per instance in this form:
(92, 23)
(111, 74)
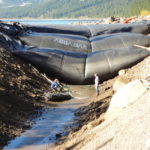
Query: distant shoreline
(51, 21)
(49, 18)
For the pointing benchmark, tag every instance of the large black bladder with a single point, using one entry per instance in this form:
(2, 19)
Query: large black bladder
(74, 53)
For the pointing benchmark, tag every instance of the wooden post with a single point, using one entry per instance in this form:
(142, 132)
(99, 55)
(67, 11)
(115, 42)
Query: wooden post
(44, 75)
(147, 48)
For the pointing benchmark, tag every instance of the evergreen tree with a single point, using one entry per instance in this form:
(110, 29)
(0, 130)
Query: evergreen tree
(76, 9)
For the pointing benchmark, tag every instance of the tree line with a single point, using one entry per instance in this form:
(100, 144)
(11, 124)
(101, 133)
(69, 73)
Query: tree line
(78, 9)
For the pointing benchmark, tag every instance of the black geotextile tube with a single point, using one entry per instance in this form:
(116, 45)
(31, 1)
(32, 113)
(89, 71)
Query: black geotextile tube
(79, 68)
(11, 28)
(83, 44)
(66, 42)
(91, 30)
(83, 30)
(119, 40)
(80, 56)
(117, 28)
(61, 29)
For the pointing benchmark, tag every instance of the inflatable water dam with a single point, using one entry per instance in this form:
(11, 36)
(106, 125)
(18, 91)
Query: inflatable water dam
(73, 53)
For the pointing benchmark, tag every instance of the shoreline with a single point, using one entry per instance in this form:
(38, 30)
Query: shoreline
(79, 21)
(50, 18)
(71, 18)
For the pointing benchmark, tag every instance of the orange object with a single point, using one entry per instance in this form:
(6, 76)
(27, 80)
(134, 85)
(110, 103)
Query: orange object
(128, 19)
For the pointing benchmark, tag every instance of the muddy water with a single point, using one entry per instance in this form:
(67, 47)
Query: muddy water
(53, 121)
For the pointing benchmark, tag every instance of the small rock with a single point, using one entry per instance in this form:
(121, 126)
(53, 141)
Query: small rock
(57, 97)
(31, 94)
(89, 126)
(121, 72)
(58, 135)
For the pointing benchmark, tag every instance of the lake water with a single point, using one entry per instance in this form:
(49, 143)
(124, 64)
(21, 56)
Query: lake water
(50, 21)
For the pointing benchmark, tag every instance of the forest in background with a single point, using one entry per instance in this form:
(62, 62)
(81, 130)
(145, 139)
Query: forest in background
(75, 9)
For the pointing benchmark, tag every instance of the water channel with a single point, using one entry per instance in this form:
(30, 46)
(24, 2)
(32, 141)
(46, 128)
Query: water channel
(53, 121)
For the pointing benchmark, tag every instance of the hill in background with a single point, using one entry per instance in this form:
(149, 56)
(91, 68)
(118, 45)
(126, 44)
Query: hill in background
(72, 8)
